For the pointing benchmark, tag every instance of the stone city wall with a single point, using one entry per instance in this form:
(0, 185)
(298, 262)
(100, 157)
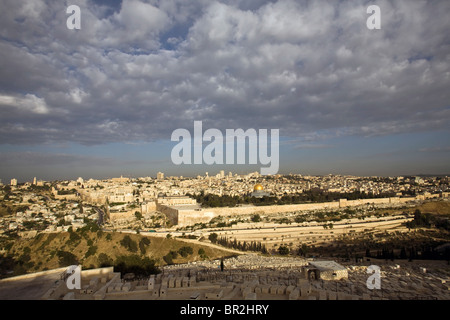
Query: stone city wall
(66, 196)
(125, 215)
(171, 213)
(187, 217)
(273, 209)
(183, 216)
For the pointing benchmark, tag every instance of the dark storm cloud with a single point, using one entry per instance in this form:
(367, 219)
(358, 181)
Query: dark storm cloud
(140, 69)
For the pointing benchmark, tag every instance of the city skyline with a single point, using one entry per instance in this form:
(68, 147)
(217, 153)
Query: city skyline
(104, 100)
(214, 174)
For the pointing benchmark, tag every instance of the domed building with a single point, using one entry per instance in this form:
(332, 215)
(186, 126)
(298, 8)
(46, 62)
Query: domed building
(258, 187)
(258, 191)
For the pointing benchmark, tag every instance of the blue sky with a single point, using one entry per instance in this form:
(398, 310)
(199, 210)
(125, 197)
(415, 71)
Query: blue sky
(103, 101)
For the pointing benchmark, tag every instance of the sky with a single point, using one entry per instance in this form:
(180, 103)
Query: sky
(104, 100)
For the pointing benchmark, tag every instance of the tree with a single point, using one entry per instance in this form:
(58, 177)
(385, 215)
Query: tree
(264, 249)
(303, 250)
(283, 250)
(104, 260)
(66, 258)
(142, 245)
(138, 215)
(146, 241)
(91, 251)
(256, 218)
(129, 244)
(141, 267)
(73, 236)
(168, 259)
(213, 237)
(185, 251)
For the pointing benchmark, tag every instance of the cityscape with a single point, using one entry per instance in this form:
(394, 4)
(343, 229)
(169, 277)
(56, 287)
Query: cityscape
(39, 203)
(321, 230)
(255, 154)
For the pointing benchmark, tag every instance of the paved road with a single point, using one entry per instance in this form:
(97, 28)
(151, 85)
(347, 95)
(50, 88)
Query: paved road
(101, 214)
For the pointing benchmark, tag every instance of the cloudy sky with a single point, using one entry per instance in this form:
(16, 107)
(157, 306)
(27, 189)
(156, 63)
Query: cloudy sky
(104, 100)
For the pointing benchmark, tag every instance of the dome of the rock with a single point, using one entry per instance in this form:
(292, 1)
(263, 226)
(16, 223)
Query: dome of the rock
(258, 187)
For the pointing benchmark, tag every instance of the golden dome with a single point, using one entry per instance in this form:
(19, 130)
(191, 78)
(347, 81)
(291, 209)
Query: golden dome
(258, 187)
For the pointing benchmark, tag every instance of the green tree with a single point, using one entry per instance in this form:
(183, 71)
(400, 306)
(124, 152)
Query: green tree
(141, 267)
(66, 258)
(73, 237)
(104, 260)
(142, 247)
(138, 215)
(256, 218)
(283, 250)
(303, 250)
(185, 251)
(168, 259)
(174, 254)
(129, 244)
(91, 251)
(213, 237)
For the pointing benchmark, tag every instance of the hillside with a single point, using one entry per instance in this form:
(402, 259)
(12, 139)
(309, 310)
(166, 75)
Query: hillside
(95, 249)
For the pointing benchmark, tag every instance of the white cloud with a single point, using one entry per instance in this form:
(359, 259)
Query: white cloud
(27, 103)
